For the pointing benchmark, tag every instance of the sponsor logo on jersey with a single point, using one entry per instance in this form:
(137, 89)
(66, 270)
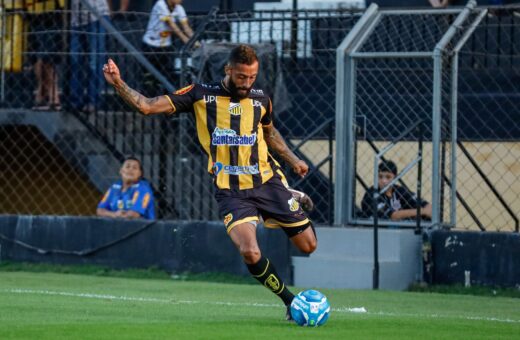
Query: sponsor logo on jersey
(256, 103)
(210, 99)
(185, 89)
(241, 169)
(209, 86)
(230, 137)
(235, 169)
(293, 204)
(228, 218)
(395, 203)
(235, 109)
(257, 91)
(217, 167)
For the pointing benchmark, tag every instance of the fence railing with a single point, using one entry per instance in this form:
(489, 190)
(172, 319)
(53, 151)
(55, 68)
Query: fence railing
(42, 49)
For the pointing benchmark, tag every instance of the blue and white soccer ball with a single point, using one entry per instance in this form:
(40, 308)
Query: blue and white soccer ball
(310, 308)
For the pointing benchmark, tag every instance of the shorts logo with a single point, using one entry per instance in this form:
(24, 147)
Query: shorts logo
(293, 204)
(272, 283)
(185, 89)
(235, 109)
(230, 137)
(228, 218)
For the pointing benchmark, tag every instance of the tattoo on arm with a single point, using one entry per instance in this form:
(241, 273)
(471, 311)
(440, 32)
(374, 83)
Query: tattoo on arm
(134, 98)
(276, 142)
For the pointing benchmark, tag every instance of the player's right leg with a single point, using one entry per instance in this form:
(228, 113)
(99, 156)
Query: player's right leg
(240, 218)
(305, 238)
(261, 268)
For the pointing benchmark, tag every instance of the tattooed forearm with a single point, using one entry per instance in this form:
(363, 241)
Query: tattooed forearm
(276, 143)
(130, 96)
(134, 98)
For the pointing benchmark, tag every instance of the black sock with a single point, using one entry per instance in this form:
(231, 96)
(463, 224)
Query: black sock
(266, 274)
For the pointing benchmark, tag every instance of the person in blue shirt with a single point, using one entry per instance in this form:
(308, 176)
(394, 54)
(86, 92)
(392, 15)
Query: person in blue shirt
(131, 196)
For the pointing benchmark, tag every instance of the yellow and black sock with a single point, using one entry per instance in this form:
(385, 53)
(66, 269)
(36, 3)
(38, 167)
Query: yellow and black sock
(266, 274)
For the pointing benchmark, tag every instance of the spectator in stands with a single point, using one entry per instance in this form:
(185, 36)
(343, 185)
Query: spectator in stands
(397, 203)
(47, 42)
(87, 36)
(131, 196)
(123, 5)
(167, 18)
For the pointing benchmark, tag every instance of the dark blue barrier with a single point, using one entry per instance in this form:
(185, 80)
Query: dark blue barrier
(173, 246)
(493, 259)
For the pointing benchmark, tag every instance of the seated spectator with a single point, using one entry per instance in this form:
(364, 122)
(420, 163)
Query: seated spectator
(397, 203)
(130, 197)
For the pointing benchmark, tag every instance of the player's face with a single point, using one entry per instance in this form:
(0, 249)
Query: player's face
(385, 177)
(130, 171)
(241, 78)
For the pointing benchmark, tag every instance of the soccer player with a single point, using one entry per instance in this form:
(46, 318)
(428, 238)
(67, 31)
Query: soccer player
(397, 203)
(235, 127)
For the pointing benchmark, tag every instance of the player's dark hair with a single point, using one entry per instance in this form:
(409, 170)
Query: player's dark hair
(242, 54)
(388, 166)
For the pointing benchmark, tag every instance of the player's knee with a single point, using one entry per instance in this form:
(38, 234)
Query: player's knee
(250, 254)
(309, 246)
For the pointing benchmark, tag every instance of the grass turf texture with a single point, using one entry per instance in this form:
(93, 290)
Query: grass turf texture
(54, 306)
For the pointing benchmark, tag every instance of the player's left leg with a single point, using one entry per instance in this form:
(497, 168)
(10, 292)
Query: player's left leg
(304, 239)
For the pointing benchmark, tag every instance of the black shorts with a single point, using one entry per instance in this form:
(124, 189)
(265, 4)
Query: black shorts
(272, 201)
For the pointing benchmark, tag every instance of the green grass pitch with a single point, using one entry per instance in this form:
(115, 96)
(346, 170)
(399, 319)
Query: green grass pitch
(66, 306)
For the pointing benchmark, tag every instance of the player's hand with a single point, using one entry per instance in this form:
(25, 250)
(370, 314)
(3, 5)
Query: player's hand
(111, 72)
(301, 168)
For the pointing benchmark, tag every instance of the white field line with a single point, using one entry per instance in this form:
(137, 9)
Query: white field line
(356, 310)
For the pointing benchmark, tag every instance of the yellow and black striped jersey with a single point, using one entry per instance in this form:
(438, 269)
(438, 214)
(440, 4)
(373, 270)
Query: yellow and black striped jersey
(230, 131)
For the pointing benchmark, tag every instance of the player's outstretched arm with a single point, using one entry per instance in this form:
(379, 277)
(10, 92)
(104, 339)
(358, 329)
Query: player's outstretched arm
(144, 105)
(275, 142)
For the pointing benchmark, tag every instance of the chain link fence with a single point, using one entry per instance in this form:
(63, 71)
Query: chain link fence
(488, 146)
(395, 88)
(59, 154)
(78, 131)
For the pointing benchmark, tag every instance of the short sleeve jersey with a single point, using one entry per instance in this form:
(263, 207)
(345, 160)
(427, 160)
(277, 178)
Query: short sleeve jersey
(401, 198)
(138, 198)
(158, 32)
(230, 132)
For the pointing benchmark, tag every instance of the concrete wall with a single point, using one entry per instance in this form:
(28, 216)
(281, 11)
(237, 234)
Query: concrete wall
(344, 259)
(174, 246)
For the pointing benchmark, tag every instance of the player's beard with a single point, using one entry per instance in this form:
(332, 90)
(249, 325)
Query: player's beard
(239, 92)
